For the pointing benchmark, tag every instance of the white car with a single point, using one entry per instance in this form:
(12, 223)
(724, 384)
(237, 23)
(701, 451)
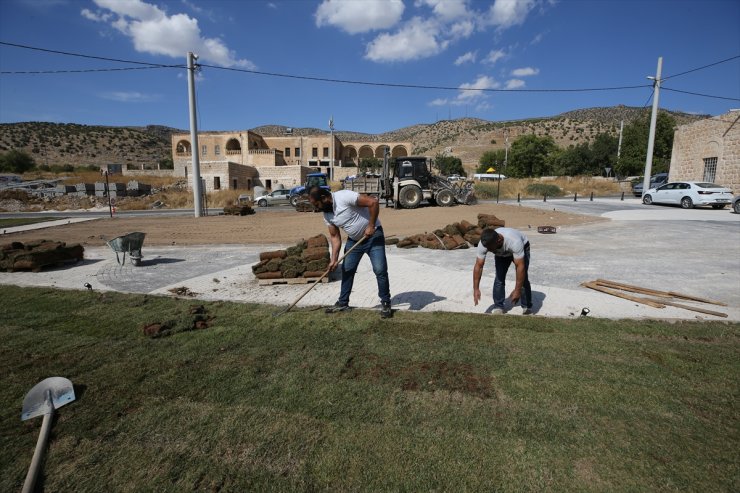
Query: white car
(273, 198)
(689, 194)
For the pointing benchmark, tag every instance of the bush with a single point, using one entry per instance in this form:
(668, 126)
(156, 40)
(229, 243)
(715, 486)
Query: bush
(541, 189)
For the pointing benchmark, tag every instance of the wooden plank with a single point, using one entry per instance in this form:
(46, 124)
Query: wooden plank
(295, 280)
(644, 301)
(653, 292)
(694, 309)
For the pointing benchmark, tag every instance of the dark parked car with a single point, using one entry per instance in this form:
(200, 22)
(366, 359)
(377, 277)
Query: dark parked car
(655, 181)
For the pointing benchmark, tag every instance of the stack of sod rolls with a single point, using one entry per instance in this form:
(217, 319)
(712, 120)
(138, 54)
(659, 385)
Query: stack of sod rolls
(308, 259)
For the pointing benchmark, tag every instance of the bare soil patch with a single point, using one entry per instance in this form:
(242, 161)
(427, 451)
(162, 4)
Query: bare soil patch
(285, 226)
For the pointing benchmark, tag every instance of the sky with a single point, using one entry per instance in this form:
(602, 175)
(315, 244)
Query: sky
(368, 65)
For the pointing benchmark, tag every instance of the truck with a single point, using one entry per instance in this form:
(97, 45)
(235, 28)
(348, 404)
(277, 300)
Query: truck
(312, 180)
(407, 181)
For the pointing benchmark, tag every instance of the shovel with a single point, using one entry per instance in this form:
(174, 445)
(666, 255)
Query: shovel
(43, 398)
(320, 278)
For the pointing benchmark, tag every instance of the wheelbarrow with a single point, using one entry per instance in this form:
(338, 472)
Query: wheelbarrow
(129, 243)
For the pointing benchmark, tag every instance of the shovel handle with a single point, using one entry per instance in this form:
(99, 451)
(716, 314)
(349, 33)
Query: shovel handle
(38, 454)
(323, 275)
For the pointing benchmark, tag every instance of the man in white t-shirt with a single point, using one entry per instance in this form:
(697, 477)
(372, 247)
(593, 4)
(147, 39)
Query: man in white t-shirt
(357, 215)
(507, 245)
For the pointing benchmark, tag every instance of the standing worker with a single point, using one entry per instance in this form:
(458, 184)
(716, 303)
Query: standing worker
(357, 215)
(507, 245)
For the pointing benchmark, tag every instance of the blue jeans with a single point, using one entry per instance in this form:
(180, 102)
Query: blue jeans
(499, 284)
(374, 247)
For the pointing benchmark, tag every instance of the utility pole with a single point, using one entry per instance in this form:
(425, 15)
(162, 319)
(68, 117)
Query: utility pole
(331, 158)
(619, 146)
(197, 202)
(653, 120)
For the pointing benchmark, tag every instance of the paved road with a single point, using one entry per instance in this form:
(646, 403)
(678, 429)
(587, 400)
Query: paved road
(695, 252)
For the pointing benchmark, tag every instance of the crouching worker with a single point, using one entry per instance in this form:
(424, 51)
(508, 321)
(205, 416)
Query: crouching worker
(507, 245)
(357, 215)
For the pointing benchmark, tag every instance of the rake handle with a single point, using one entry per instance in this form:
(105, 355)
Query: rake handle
(324, 274)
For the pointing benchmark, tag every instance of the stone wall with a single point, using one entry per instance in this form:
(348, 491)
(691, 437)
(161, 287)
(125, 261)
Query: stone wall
(714, 137)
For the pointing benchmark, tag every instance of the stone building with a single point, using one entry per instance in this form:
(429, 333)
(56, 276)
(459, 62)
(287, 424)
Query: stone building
(708, 150)
(241, 160)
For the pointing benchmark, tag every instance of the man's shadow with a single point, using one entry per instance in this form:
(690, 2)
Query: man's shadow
(416, 299)
(538, 299)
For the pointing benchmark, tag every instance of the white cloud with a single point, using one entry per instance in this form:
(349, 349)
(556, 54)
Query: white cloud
(447, 10)
(355, 17)
(90, 15)
(514, 84)
(537, 39)
(525, 72)
(415, 40)
(506, 13)
(472, 91)
(494, 56)
(153, 31)
(439, 102)
(130, 97)
(461, 29)
(272, 5)
(468, 57)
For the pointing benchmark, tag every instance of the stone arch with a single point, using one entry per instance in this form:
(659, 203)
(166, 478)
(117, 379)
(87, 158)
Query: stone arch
(349, 155)
(365, 152)
(183, 147)
(711, 149)
(399, 151)
(233, 146)
(380, 151)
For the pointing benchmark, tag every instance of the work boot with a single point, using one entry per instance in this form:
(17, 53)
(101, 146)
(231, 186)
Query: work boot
(337, 308)
(386, 311)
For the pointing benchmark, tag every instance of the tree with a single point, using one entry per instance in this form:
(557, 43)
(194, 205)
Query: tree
(370, 164)
(449, 165)
(635, 141)
(529, 155)
(491, 159)
(16, 162)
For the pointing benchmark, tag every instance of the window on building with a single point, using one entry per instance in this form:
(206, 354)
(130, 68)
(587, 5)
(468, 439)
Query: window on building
(297, 152)
(203, 150)
(315, 152)
(217, 150)
(710, 169)
(287, 152)
(217, 183)
(326, 152)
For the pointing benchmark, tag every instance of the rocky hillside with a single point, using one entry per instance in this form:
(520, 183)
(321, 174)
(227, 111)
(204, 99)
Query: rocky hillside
(81, 145)
(466, 138)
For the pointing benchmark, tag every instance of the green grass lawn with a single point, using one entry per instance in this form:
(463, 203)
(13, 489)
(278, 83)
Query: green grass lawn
(9, 223)
(348, 402)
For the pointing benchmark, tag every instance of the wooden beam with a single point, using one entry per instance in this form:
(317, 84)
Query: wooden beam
(653, 292)
(644, 301)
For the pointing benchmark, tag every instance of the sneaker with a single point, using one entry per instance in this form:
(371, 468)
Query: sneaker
(497, 311)
(337, 308)
(386, 311)
(526, 310)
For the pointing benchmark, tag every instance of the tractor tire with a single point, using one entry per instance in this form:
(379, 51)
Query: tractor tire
(445, 198)
(410, 197)
(294, 200)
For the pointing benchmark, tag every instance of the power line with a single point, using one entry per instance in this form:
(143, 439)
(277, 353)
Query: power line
(416, 86)
(699, 94)
(46, 50)
(701, 68)
(82, 71)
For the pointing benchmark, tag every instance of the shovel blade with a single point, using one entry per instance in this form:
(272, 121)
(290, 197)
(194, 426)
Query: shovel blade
(36, 403)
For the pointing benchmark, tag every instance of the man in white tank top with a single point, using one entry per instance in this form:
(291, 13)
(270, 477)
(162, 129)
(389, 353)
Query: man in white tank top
(357, 215)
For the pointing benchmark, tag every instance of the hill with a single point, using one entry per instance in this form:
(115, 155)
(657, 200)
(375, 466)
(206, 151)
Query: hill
(466, 138)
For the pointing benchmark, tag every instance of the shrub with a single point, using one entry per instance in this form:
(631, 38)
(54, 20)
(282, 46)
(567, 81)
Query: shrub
(541, 189)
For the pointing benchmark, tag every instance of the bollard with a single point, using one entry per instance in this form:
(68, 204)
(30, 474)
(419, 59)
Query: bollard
(622, 199)
(545, 199)
(575, 197)
(592, 196)
(518, 198)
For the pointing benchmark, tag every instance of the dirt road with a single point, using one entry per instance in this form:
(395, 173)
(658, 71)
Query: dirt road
(284, 227)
